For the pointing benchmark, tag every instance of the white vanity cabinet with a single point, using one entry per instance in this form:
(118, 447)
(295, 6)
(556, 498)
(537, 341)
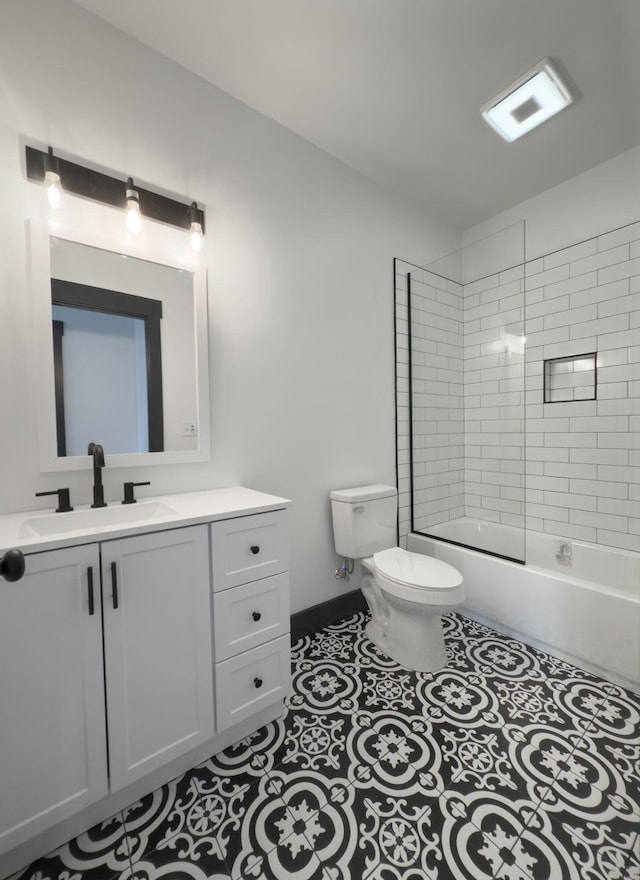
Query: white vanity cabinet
(157, 667)
(139, 642)
(250, 562)
(157, 637)
(53, 754)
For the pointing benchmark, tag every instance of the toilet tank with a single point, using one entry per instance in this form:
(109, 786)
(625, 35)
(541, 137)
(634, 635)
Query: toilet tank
(364, 520)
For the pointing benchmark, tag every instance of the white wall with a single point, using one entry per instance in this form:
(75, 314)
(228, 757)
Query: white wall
(299, 250)
(601, 199)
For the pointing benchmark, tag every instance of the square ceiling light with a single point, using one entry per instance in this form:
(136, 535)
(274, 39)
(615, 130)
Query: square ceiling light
(539, 94)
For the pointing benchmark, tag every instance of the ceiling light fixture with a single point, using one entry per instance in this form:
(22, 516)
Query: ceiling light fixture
(78, 180)
(52, 179)
(134, 221)
(536, 96)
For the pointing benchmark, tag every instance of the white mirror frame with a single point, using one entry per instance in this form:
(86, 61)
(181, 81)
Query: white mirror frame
(78, 221)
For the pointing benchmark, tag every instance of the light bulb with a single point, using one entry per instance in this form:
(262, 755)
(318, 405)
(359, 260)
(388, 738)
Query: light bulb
(52, 179)
(134, 220)
(54, 189)
(196, 236)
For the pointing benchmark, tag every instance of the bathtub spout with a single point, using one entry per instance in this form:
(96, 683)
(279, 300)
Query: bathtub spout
(565, 554)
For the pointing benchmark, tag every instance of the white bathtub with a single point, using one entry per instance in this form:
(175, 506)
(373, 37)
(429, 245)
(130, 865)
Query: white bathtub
(587, 612)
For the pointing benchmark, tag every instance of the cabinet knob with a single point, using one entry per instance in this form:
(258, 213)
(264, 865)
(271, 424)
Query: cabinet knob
(255, 549)
(256, 615)
(12, 565)
(257, 682)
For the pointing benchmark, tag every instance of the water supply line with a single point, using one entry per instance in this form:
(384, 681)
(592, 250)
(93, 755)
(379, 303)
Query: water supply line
(345, 569)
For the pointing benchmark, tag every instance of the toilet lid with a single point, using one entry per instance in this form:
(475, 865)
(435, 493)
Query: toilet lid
(416, 570)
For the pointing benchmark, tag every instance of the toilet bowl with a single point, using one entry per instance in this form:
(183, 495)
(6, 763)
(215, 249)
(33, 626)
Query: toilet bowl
(407, 593)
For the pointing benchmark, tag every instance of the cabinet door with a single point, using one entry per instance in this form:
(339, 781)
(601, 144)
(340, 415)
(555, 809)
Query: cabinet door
(52, 730)
(158, 659)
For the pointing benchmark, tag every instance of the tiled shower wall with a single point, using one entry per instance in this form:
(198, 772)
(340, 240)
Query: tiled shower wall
(437, 384)
(583, 457)
(494, 398)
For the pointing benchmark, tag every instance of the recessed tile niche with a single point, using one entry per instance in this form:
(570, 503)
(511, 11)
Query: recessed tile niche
(570, 378)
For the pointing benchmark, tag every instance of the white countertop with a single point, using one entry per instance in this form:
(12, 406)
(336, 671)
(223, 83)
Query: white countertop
(172, 511)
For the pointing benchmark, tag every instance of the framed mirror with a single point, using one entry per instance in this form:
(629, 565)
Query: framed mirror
(120, 343)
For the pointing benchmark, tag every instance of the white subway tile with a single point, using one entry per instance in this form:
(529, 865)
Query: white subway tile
(619, 507)
(616, 539)
(611, 390)
(629, 406)
(618, 236)
(618, 474)
(575, 470)
(607, 489)
(600, 292)
(621, 270)
(583, 441)
(610, 325)
(620, 440)
(552, 484)
(571, 316)
(570, 530)
(545, 307)
(600, 456)
(570, 286)
(571, 500)
(600, 423)
(548, 511)
(601, 260)
(624, 373)
(569, 254)
(620, 305)
(570, 348)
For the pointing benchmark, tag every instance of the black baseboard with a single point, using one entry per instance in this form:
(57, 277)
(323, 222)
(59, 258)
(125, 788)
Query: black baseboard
(311, 620)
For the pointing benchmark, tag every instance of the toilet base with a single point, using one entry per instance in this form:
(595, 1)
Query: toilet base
(407, 632)
(416, 642)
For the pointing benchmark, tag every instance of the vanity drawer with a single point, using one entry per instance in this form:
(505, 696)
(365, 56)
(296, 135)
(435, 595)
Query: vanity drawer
(247, 683)
(250, 615)
(248, 548)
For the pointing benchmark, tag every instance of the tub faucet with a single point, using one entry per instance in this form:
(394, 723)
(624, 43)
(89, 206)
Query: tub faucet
(565, 554)
(98, 463)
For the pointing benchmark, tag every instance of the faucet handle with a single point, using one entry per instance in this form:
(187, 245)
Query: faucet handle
(128, 492)
(64, 499)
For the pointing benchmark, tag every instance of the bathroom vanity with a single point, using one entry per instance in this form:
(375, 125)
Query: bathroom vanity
(141, 640)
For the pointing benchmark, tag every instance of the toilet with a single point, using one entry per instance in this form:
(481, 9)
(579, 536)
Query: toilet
(407, 593)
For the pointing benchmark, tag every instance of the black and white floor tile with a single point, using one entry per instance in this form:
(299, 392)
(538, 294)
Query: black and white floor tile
(508, 764)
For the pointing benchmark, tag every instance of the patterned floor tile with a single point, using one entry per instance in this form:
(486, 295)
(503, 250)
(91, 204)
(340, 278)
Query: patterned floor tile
(164, 818)
(508, 764)
(101, 853)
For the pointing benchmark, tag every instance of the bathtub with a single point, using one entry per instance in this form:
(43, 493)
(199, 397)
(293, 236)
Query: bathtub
(586, 610)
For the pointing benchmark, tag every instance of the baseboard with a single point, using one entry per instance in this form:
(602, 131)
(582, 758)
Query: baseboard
(312, 620)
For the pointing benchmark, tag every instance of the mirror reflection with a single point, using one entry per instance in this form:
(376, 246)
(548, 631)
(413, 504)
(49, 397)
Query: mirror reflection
(124, 349)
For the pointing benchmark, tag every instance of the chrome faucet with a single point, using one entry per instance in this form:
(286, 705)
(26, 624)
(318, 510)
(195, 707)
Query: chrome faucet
(98, 463)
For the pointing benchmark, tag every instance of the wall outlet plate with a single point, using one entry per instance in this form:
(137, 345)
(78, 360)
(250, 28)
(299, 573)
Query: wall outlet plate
(189, 429)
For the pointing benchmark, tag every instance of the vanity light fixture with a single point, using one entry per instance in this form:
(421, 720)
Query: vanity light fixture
(134, 221)
(100, 187)
(196, 227)
(52, 179)
(536, 96)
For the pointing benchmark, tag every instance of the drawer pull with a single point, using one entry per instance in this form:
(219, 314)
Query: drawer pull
(255, 549)
(257, 682)
(256, 616)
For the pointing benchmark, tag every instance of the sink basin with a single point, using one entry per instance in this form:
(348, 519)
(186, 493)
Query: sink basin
(102, 517)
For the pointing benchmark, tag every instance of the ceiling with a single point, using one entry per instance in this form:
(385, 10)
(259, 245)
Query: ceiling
(394, 88)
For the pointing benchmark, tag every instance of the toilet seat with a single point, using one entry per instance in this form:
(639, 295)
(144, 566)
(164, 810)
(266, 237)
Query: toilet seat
(417, 578)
